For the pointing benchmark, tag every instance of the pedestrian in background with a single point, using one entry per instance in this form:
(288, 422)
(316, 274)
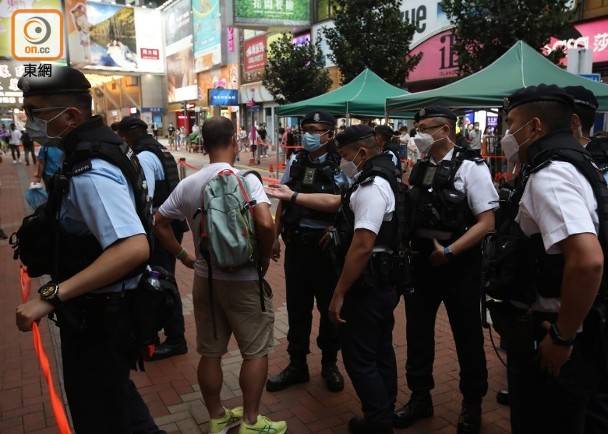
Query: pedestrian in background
(48, 163)
(28, 148)
(14, 142)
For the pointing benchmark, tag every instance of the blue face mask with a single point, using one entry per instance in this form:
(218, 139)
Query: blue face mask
(312, 142)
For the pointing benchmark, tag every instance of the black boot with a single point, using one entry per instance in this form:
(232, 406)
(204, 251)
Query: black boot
(333, 378)
(358, 425)
(470, 418)
(292, 374)
(167, 349)
(420, 406)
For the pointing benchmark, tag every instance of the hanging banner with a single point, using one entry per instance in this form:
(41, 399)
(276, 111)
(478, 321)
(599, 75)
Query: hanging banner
(272, 13)
(207, 34)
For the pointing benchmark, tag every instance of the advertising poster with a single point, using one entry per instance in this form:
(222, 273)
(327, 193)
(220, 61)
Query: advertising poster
(272, 13)
(7, 7)
(177, 21)
(427, 15)
(181, 79)
(10, 72)
(226, 77)
(207, 34)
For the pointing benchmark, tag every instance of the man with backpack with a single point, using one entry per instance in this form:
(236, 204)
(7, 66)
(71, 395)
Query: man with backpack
(233, 231)
(91, 238)
(160, 170)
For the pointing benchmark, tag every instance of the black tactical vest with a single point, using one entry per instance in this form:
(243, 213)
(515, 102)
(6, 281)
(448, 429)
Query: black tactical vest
(516, 267)
(162, 188)
(598, 148)
(310, 177)
(437, 209)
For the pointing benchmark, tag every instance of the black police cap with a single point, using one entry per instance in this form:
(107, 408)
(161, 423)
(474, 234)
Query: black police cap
(582, 96)
(319, 117)
(60, 80)
(131, 122)
(542, 92)
(435, 111)
(114, 126)
(353, 134)
(384, 130)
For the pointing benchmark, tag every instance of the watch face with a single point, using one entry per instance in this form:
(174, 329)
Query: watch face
(47, 290)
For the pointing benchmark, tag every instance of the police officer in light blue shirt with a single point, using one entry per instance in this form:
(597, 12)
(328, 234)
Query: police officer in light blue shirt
(98, 251)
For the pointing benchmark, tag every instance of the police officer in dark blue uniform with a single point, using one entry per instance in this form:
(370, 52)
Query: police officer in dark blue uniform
(160, 170)
(310, 271)
(452, 201)
(385, 138)
(91, 239)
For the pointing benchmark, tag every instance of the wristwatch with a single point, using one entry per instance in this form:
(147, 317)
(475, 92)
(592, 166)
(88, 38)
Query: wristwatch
(558, 339)
(49, 292)
(447, 252)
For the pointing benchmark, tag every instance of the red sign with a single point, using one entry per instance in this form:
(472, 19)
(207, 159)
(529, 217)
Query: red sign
(594, 36)
(255, 53)
(439, 60)
(149, 53)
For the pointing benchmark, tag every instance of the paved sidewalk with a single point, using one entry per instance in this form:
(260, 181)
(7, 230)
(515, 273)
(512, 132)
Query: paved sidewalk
(170, 387)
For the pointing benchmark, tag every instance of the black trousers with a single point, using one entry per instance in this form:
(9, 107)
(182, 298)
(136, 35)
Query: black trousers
(15, 151)
(457, 285)
(310, 275)
(367, 350)
(96, 365)
(29, 150)
(174, 326)
(575, 402)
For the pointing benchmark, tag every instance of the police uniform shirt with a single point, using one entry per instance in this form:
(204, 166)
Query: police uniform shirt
(475, 181)
(153, 170)
(101, 202)
(557, 202)
(373, 204)
(340, 180)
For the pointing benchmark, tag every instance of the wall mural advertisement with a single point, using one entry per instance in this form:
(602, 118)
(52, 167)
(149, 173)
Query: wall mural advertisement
(272, 13)
(7, 7)
(207, 34)
(113, 37)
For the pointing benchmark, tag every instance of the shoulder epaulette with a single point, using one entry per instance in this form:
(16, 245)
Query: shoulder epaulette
(81, 167)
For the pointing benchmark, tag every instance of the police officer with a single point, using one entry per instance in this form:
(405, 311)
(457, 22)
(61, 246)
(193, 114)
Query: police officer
(452, 201)
(384, 136)
(310, 272)
(365, 295)
(554, 308)
(162, 177)
(98, 250)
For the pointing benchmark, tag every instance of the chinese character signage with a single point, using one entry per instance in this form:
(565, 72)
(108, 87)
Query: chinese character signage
(223, 97)
(10, 73)
(207, 34)
(255, 53)
(594, 37)
(272, 12)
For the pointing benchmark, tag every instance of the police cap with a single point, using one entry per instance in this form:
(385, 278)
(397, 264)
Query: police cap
(60, 80)
(435, 111)
(542, 92)
(130, 123)
(384, 130)
(582, 96)
(319, 117)
(114, 126)
(353, 134)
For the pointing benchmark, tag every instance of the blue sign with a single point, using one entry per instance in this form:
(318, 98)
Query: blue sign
(592, 77)
(223, 97)
(152, 109)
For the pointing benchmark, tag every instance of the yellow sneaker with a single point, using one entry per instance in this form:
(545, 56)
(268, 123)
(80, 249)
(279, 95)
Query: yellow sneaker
(263, 426)
(231, 418)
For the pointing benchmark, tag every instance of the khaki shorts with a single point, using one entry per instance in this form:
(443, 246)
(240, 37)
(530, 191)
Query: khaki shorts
(238, 311)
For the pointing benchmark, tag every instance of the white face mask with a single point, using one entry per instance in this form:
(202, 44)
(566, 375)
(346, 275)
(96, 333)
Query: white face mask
(349, 168)
(423, 141)
(509, 144)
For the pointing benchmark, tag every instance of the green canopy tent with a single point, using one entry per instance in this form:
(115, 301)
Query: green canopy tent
(364, 96)
(519, 67)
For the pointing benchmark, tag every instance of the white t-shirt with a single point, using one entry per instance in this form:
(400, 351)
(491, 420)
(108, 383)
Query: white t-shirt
(373, 204)
(475, 181)
(15, 137)
(558, 202)
(187, 199)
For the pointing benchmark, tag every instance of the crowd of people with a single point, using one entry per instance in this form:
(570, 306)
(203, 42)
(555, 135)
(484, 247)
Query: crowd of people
(357, 238)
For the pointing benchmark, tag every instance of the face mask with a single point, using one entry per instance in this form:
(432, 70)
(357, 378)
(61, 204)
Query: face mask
(38, 130)
(423, 141)
(312, 142)
(509, 144)
(349, 168)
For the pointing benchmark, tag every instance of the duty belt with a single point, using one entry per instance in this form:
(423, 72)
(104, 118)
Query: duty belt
(436, 234)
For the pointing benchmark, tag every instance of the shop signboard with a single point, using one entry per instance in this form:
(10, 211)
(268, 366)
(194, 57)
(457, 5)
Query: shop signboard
(265, 13)
(439, 59)
(592, 77)
(177, 23)
(427, 16)
(207, 34)
(10, 72)
(113, 37)
(594, 37)
(254, 58)
(223, 97)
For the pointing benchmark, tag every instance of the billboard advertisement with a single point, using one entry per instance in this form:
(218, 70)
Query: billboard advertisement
(594, 37)
(427, 15)
(113, 37)
(7, 7)
(10, 72)
(439, 59)
(272, 13)
(226, 77)
(207, 34)
(177, 22)
(223, 97)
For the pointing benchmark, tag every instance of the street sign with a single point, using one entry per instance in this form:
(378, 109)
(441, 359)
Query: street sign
(592, 77)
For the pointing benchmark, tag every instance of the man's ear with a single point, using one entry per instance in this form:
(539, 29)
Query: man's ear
(575, 122)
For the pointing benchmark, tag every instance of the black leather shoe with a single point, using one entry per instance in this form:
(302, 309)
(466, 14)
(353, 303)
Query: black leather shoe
(470, 419)
(358, 425)
(502, 397)
(420, 406)
(333, 378)
(165, 350)
(292, 374)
